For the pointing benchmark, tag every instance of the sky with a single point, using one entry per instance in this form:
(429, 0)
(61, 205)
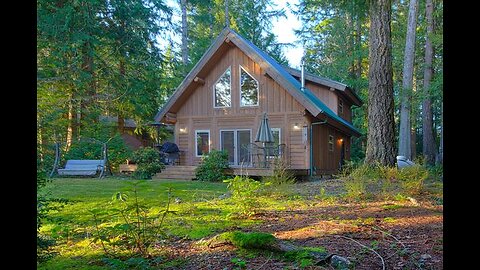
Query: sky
(282, 28)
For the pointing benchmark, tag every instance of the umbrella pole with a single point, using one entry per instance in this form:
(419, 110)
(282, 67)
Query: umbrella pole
(264, 155)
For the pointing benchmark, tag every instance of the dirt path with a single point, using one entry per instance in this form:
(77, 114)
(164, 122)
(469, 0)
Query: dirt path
(407, 235)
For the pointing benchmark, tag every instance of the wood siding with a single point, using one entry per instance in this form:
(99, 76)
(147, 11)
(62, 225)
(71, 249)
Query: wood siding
(327, 96)
(198, 113)
(324, 160)
(195, 111)
(347, 110)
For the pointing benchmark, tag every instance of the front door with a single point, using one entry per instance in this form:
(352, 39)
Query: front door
(235, 142)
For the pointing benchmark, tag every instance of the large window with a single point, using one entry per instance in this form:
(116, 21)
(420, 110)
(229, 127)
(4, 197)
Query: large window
(248, 89)
(222, 90)
(202, 142)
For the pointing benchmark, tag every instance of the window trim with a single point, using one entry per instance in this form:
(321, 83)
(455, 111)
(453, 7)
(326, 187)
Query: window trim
(196, 141)
(340, 105)
(240, 87)
(215, 92)
(331, 143)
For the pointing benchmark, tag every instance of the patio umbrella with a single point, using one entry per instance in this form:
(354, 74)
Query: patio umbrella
(264, 133)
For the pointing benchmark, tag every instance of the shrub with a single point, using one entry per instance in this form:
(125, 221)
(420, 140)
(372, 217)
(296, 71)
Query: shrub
(356, 188)
(44, 243)
(281, 175)
(245, 194)
(148, 162)
(117, 150)
(412, 179)
(213, 166)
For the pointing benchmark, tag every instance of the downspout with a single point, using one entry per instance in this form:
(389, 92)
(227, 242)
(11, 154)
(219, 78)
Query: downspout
(311, 143)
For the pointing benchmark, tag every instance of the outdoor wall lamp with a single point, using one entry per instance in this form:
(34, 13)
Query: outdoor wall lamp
(183, 130)
(296, 126)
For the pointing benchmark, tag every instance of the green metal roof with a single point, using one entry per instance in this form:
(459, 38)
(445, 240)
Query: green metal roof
(298, 87)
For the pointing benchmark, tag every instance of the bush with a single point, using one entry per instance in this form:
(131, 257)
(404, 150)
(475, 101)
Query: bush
(213, 166)
(148, 162)
(245, 192)
(117, 151)
(281, 175)
(412, 179)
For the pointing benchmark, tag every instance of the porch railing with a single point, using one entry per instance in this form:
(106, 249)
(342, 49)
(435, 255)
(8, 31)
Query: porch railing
(263, 156)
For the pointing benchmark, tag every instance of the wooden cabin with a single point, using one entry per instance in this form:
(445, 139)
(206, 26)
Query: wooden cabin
(220, 104)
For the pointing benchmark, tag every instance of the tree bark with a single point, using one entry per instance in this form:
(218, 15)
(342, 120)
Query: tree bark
(429, 148)
(381, 125)
(358, 48)
(183, 5)
(439, 158)
(70, 126)
(121, 116)
(212, 21)
(404, 138)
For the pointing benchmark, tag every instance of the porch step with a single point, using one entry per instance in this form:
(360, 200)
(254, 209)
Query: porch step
(177, 172)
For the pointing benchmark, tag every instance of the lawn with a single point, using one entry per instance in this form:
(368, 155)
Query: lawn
(198, 213)
(406, 232)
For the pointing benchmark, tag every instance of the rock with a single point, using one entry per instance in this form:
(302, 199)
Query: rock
(413, 201)
(425, 257)
(340, 263)
(225, 196)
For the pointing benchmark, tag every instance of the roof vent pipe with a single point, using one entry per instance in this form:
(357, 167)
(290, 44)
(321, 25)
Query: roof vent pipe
(302, 79)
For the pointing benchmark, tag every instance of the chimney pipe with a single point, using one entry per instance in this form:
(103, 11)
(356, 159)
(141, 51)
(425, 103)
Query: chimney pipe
(302, 79)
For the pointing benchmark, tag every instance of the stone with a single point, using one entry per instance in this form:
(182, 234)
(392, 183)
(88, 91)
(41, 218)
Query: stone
(340, 263)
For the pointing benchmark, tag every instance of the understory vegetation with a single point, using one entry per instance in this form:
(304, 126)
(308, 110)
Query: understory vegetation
(213, 166)
(148, 161)
(128, 224)
(376, 181)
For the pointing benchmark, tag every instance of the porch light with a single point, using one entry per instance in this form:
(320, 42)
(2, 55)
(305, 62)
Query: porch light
(296, 126)
(183, 130)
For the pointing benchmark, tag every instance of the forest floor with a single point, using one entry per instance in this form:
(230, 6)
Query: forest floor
(372, 232)
(403, 233)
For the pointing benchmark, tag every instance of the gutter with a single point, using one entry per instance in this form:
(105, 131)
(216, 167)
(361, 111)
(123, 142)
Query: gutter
(311, 143)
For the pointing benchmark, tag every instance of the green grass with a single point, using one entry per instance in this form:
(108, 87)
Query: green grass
(198, 214)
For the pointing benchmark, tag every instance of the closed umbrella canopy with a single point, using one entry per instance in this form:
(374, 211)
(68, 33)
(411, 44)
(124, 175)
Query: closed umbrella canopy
(264, 133)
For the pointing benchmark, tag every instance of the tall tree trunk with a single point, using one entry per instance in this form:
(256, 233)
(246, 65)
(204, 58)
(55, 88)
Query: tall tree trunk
(227, 15)
(429, 148)
(183, 5)
(121, 116)
(413, 141)
(71, 126)
(358, 48)
(381, 125)
(212, 21)
(404, 140)
(86, 100)
(439, 158)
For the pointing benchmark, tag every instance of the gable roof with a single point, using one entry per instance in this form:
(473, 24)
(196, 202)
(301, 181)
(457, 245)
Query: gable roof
(343, 88)
(272, 68)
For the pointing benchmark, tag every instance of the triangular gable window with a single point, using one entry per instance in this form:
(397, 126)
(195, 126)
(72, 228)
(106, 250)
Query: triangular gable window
(248, 89)
(222, 90)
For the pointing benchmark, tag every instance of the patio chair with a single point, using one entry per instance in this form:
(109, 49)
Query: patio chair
(255, 153)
